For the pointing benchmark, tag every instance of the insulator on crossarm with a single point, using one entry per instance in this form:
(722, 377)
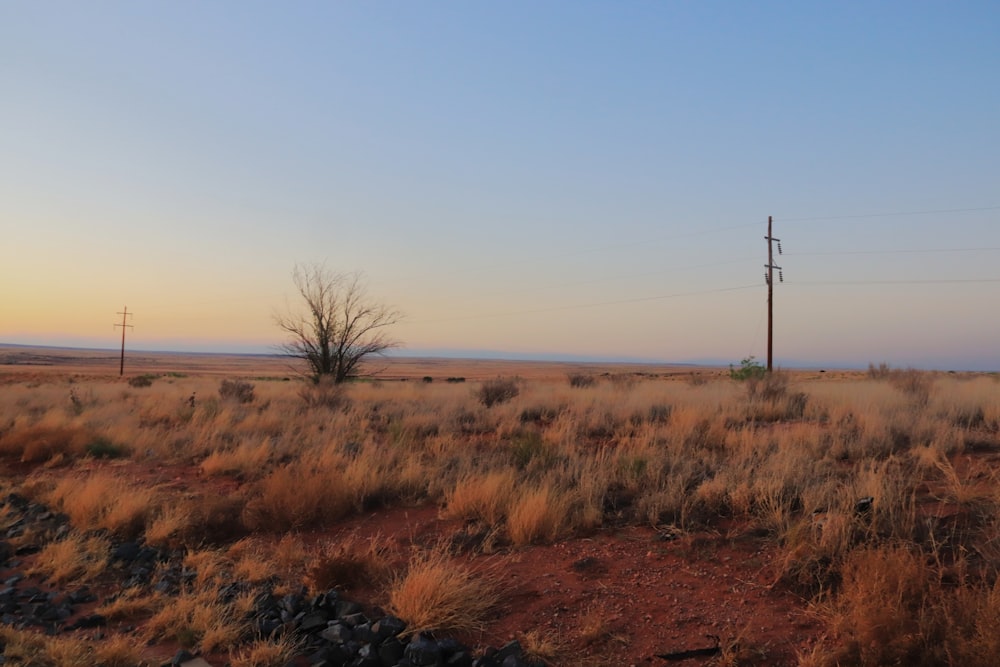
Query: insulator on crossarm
(779, 248)
(781, 276)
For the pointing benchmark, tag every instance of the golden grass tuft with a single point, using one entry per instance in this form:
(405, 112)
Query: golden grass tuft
(541, 645)
(247, 459)
(297, 496)
(437, 593)
(38, 443)
(33, 649)
(350, 563)
(538, 515)
(266, 653)
(76, 558)
(485, 497)
(197, 619)
(103, 501)
(131, 603)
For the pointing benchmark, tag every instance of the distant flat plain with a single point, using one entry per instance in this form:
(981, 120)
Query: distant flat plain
(21, 361)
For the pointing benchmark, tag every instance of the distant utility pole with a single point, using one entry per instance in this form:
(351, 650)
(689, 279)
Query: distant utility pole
(769, 278)
(124, 313)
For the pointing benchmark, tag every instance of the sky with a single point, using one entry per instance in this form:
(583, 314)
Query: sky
(583, 179)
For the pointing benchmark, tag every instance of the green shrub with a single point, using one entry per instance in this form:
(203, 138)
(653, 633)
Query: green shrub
(748, 370)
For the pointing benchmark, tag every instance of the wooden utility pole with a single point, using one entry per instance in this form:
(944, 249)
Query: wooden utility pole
(124, 314)
(769, 277)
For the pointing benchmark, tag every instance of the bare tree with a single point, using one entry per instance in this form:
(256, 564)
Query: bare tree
(339, 327)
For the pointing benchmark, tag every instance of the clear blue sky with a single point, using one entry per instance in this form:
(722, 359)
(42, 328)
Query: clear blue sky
(584, 179)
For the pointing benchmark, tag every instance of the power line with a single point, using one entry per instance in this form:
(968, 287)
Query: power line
(931, 281)
(891, 215)
(914, 251)
(586, 305)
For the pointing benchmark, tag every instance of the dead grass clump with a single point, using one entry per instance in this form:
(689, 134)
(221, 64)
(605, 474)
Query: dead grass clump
(32, 649)
(247, 459)
(348, 563)
(436, 593)
(915, 384)
(216, 520)
(889, 611)
(323, 394)
(40, 442)
(239, 391)
(297, 496)
(267, 652)
(540, 645)
(581, 380)
(538, 515)
(497, 391)
(132, 603)
(485, 497)
(101, 500)
(197, 619)
(74, 558)
(768, 386)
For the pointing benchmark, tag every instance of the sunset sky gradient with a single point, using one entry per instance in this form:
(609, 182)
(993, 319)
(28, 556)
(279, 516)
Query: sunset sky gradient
(554, 179)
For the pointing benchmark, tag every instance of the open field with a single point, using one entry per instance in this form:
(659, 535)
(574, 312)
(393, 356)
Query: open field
(599, 514)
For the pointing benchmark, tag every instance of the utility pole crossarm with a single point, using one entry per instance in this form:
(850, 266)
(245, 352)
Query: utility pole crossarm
(125, 314)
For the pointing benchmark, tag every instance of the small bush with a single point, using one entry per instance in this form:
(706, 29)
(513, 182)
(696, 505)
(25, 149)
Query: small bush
(102, 448)
(139, 381)
(540, 414)
(237, 390)
(880, 372)
(323, 394)
(581, 380)
(500, 390)
(749, 369)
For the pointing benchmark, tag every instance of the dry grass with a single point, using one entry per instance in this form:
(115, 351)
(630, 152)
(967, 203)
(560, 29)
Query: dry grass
(438, 593)
(31, 649)
(538, 515)
(266, 653)
(296, 496)
(788, 456)
(197, 619)
(76, 558)
(543, 646)
(350, 563)
(484, 497)
(37, 443)
(130, 604)
(104, 501)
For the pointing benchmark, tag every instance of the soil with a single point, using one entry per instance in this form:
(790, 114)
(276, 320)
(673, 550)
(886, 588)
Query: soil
(625, 596)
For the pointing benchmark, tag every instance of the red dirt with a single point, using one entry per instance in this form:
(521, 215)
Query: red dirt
(622, 596)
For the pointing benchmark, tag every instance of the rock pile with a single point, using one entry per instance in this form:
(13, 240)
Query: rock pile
(333, 631)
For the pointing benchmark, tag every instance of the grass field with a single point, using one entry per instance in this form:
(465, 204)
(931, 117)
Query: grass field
(873, 495)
